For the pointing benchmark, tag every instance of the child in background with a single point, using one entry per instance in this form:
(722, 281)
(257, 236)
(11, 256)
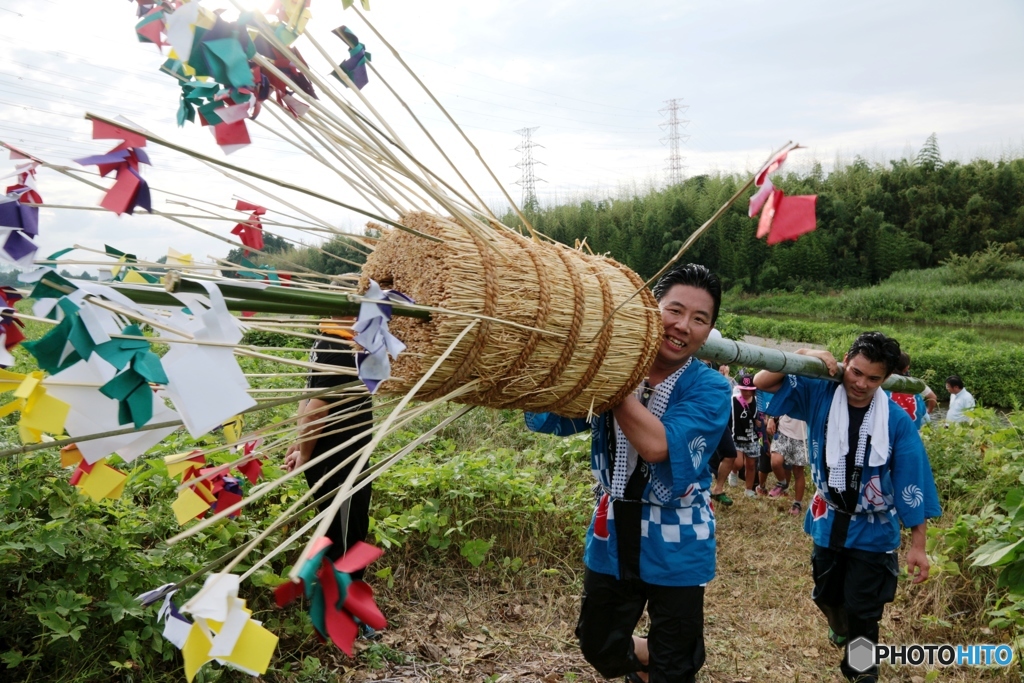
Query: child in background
(744, 433)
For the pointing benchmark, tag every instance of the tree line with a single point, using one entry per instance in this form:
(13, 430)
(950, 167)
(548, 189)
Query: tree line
(873, 221)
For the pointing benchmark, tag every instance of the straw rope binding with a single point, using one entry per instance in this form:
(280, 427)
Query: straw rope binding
(537, 285)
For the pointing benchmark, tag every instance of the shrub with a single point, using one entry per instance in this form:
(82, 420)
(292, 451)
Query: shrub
(991, 264)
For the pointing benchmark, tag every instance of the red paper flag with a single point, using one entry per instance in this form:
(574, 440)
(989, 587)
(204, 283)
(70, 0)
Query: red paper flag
(287, 592)
(359, 603)
(119, 198)
(357, 557)
(226, 499)
(102, 130)
(794, 216)
(231, 135)
(771, 167)
(251, 470)
(764, 225)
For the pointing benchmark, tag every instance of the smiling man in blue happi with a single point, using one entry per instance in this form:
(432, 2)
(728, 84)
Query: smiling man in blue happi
(651, 542)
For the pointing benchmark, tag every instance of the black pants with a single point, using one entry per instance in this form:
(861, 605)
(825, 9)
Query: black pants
(851, 587)
(611, 610)
(344, 531)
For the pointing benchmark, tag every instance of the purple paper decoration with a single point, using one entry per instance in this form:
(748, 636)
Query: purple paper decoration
(371, 328)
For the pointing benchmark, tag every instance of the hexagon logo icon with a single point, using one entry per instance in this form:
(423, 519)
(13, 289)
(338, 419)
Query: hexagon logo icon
(860, 654)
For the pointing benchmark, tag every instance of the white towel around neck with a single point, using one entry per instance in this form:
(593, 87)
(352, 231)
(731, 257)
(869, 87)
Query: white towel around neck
(837, 444)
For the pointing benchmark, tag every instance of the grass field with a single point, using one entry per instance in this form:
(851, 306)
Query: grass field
(483, 528)
(925, 296)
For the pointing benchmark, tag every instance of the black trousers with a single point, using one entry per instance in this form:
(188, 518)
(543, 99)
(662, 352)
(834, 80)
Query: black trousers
(851, 588)
(611, 610)
(349, 525)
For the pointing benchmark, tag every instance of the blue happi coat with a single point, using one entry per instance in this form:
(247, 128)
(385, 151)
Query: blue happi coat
(677, 542)
(901, 490)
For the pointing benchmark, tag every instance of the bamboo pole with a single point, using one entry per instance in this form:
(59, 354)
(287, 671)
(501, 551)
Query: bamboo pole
(437, 103)
(276, 181)
(728, 352)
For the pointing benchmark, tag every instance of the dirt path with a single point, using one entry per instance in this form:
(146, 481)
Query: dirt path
(760, 624)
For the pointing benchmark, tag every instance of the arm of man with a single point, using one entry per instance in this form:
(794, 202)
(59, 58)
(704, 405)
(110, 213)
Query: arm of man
(769, 381)
(917, 559)
(642, 429)
(311, 423)
(931, 401)
(550, 423)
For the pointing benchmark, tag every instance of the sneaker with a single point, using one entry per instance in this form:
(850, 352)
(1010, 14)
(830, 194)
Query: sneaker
(760, 490)
(796, 508)
(734, 479)
(778, 490)
(722, 498)
(749, 493)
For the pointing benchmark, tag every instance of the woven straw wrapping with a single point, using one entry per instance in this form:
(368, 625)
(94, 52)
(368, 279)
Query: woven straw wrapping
(579, 369)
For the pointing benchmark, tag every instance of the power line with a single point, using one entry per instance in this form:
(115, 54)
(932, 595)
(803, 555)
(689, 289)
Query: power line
(527, 178)
(673, 108)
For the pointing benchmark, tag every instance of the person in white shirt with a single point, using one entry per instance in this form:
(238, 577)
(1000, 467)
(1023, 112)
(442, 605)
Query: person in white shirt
(960, 400)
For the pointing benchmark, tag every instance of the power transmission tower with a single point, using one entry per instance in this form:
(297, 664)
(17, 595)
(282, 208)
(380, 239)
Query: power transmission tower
(527, 179)
(673, 108)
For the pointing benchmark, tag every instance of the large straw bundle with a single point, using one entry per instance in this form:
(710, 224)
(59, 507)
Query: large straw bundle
(577, 369)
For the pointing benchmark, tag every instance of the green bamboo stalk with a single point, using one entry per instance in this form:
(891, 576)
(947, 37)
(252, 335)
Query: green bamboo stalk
(729, 352)
(266, 300)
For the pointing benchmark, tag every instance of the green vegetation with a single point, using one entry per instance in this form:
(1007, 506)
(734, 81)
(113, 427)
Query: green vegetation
(991, 370)
(485, 496)
(873, 221)
(979, 550)
(986, 288)
(334, 256)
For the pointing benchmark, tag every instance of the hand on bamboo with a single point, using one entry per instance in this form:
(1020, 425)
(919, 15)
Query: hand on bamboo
(824, 356)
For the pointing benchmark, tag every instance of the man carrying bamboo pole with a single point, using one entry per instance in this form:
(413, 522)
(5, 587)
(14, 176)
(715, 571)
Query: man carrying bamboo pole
(871, 473)
(652, 539)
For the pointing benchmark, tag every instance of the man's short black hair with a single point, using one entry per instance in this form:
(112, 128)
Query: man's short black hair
(904, 365)
(877, 348)
(692, 275)
(955, 381)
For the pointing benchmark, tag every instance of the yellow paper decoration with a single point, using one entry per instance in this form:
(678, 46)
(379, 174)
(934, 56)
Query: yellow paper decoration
(254, 649)
(176, 258)
(196, 651)
(189, 505)
(40, 412)
(70, 456)
(233, 429)
(103, 482)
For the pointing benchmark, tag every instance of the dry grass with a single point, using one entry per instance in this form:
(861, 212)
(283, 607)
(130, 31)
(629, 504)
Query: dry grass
(761, 625)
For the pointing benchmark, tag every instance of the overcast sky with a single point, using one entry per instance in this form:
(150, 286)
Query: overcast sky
(867, 78)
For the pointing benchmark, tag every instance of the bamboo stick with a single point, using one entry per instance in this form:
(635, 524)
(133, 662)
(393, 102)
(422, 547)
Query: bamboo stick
(275, 181)
(728, 351)
(363, 481)
(437, 103)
